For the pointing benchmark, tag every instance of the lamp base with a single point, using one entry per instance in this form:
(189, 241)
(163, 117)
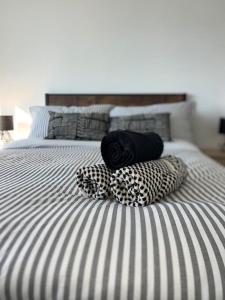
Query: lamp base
(5, 137)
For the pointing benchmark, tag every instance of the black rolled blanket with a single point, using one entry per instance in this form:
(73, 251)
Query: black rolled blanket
(123, 148)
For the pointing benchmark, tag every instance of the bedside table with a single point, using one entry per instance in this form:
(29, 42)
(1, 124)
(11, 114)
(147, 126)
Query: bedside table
(216, 154)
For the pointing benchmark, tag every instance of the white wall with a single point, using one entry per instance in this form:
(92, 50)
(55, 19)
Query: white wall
(115, 46)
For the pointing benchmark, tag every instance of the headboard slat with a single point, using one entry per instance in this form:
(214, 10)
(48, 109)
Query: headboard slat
(115, 99)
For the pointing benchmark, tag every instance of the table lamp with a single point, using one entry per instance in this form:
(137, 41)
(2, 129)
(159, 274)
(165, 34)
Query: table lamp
(6, 124)
(222, 130)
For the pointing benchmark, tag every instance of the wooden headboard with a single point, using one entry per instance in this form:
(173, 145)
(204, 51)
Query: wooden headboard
(115, 99)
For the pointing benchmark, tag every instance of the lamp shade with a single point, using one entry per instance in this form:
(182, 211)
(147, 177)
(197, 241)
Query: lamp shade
(6, 123)
(222, 126)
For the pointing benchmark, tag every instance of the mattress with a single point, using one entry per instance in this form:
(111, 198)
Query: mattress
(58, 244)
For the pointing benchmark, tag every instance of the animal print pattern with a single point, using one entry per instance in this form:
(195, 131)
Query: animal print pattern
(95, 181)
(145, 183)
(137, 185)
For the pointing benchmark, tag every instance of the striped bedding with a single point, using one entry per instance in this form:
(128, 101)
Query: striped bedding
(57, 244)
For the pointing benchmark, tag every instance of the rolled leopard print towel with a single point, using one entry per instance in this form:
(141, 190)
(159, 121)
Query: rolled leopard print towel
(144, 183)
(94, 181)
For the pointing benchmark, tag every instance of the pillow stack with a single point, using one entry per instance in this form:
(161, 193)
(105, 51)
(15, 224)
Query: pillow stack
(170, 121)
(180, 117)
(44, 119)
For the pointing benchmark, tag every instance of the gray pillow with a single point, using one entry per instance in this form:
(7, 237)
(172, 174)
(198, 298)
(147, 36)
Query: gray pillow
(144, 123)
(40, 115)
(77, 126)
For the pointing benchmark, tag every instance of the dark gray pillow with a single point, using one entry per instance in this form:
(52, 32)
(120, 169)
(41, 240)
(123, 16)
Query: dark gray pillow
(144, 123)
(77, 126)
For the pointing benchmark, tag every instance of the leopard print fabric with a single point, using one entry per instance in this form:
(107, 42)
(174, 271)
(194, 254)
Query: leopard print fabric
(94, 181)
(137, 185)
(145, 183)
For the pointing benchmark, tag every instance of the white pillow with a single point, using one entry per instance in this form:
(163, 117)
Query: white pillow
(41, 116)
(180, 116)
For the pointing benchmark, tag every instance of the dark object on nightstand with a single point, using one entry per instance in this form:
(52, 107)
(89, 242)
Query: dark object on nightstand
(222, 131)
(6, 124)
(222, 126)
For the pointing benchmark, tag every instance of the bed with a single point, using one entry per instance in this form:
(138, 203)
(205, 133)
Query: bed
(58, 244)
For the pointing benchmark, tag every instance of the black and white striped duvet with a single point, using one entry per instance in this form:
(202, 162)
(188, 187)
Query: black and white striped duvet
(57, 244)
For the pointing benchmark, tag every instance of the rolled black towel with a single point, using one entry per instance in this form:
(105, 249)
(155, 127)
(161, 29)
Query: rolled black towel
(123, 148)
